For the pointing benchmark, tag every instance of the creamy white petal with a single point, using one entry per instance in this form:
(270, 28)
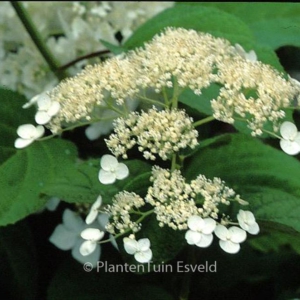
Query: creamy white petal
(42, 117)
(73, 221)
(192, 237)
(103, 219)
(63, 238)
(122, 171)
(97, 203)
(143, 244)
(93, 132)
(40, 130)
(205, 241)
(221, 232)
(93, 258)
(229, 246)
(195, 223)
(238, 235)
(21, 143)
(87, 248)
(91, 217)
(209, 225)
(93, 234)
(106, 177)
(288, 130)
(253, 228)
(144, 256)
(53, 109)
(44, 102)
(130, 245)
(108, 162)
(52, 203)
(290, 147)
(26, 131)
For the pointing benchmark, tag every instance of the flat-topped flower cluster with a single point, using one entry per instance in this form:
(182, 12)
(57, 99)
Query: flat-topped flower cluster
(180, 58)
(175, 60)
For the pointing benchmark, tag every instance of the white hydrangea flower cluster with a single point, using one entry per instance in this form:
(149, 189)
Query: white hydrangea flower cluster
(123, 204)
(67, 236)
(83, 237)
(155, 132)
(175, 201)
(201, 231)
(140, 249)
(76, 26)
(181, 58)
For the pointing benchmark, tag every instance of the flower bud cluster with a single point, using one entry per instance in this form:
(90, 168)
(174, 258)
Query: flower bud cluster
(155, 132)
(123, 204)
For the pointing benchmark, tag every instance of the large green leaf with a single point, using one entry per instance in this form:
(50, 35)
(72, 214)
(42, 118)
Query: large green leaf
(264, 176)
(273, 24)
(80, 182)
(206, 19)
(11, 115)
(24, 174)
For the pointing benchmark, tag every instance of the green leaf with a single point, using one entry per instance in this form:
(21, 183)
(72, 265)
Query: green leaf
(273, 24)
(12, 115)
(80, 184)
(18, 266)
(113, 48)
(206, 19)
(275, 242)
(265, 177)
(24, 174)
(200, 103)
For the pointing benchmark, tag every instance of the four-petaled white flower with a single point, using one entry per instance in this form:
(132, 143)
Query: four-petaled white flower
(92, 236)
(200, 233)
(247, 221)
(90, 218)
(111, 169)
(66, 236)
(47, 108)
(251, 55)
(290, 142)
(230, 238)
(140, 249)
(28, 133)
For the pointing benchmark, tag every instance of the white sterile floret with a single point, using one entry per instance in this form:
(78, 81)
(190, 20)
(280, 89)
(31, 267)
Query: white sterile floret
(230, 238)
(200, 233)
(251, 55)
(247, 221)
(47, 109)
(66, 236)
(111, 170)
(92, 236)
(140, 249)
(94, 211)
(28, 133)
(290, 142)
(52, 203)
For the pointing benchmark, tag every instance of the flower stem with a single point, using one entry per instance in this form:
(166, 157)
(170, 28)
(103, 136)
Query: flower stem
(185, 286)
(78, 59)
(37, 39)
(203, 121)
(176, 92)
